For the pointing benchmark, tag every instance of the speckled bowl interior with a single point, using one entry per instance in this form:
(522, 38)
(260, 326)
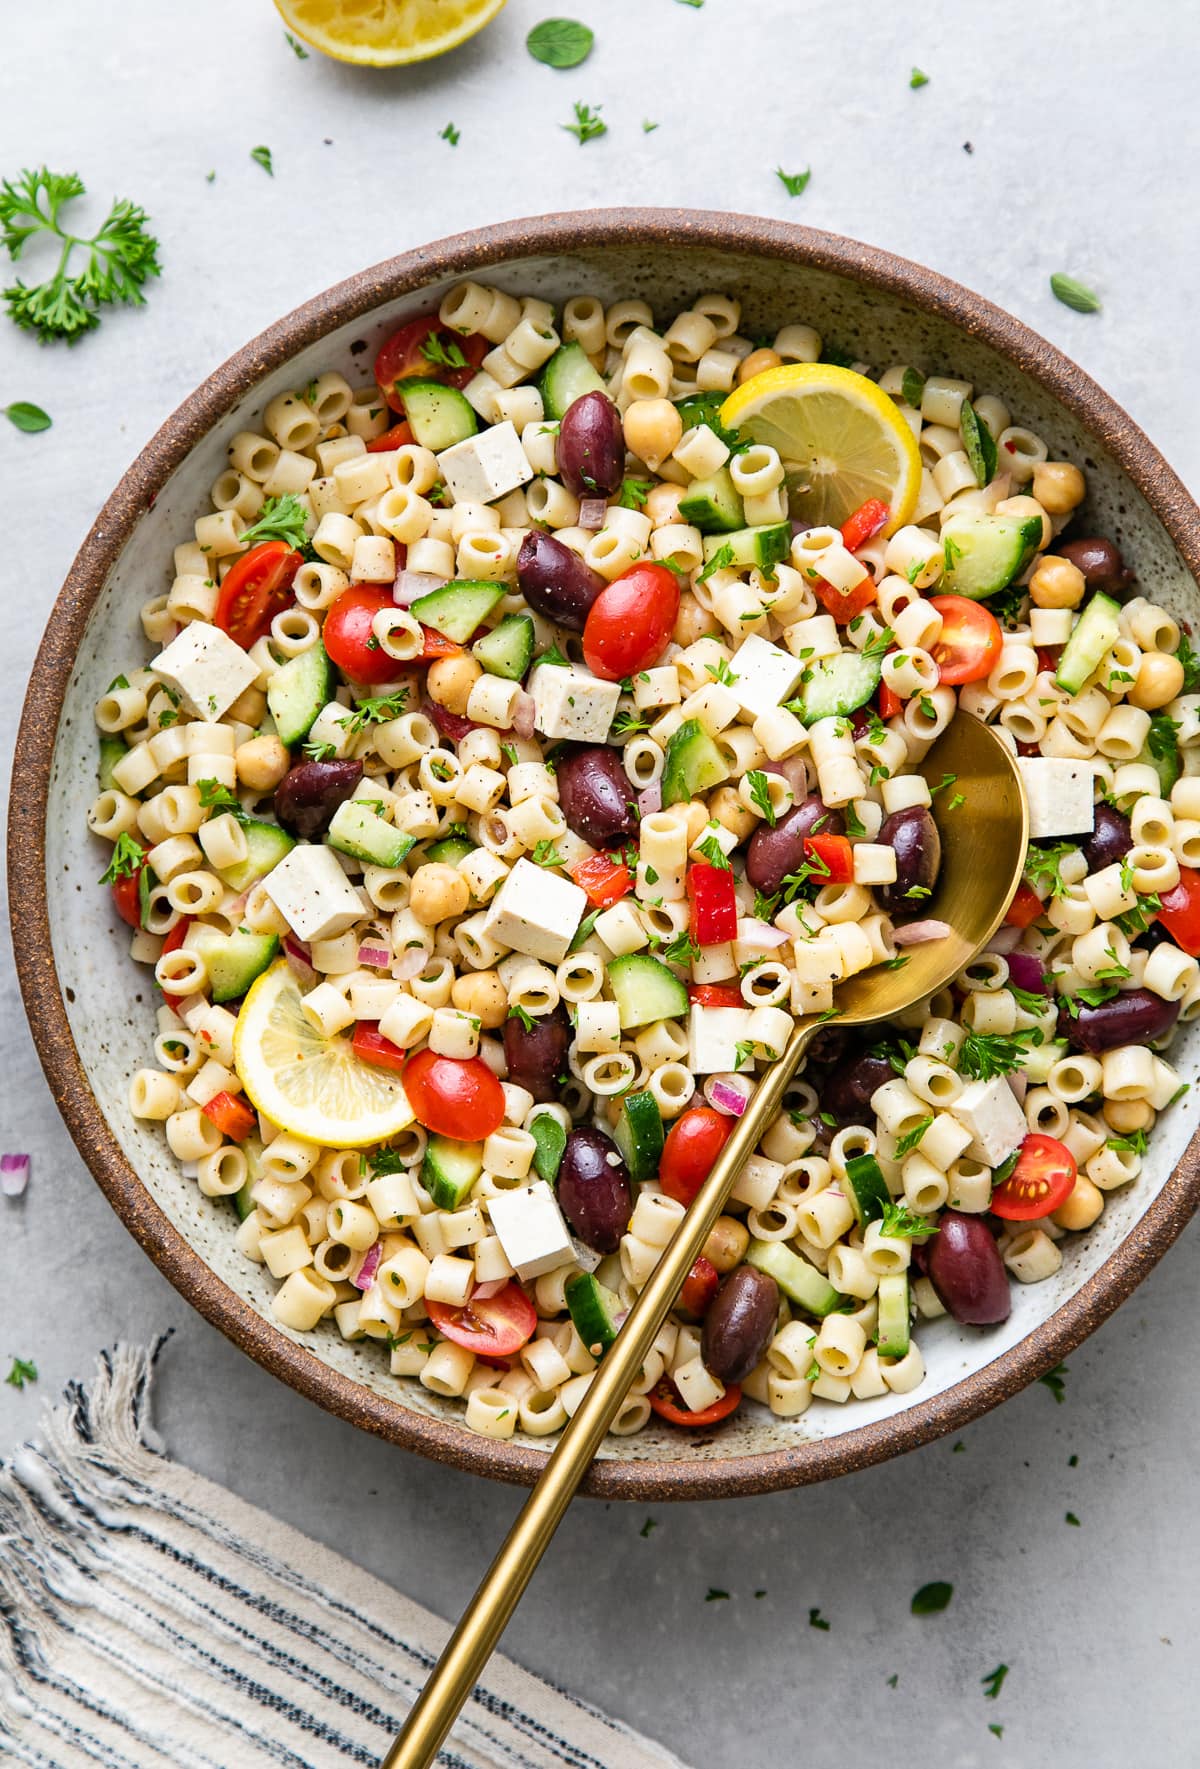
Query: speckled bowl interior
(91, 1008)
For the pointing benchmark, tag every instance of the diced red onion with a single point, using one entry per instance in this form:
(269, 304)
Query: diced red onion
(760, 933)
(410, 964)
(375, 957)
(300, 959)
(1003, 940)
(364, 1277)
(919, 933)
(1019, 1084)
(524, 713)
(14, 1174)
(649, 800)
(592, 512)
(723, 1096)
(1026, 972)
(493, 1287)
(793, 770)
(411, 584)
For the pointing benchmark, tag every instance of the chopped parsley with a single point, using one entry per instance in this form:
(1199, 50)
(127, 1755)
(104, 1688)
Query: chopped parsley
(795, 183)
(715, 1595)
(555, 656)
(443, 356)
(912, 392)
(1056, 1381)
(119, 257)
(1133, 1144)
(127, 857)
(451, 134)
(721, 672)
(681, 950)
(23, 1370)
(993, 1683)
(817, 1620)
(262, 157)
(280, 519)
(628, 724)
(721, 560)
(546, 854)
(215, 797)
(1072, 1519)
(519, 1013)
(917, 79)
(377, 711)
(760, 794)
(650, 1523)
(587, 125)
(297, 48)
(932, 1599)
(745, 1054)
(984, 1054)
(1191, 665)
(711, 850)
(634, 493)
(1043, 867)
(908, 1142)
(901, 1223)
(320, 752)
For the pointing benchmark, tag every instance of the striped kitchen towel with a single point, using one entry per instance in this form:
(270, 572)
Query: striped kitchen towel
(151, 1620)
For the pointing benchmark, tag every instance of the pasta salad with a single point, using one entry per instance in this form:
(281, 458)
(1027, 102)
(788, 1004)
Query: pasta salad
(530, 742)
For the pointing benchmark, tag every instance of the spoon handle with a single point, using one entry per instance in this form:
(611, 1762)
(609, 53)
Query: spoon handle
(475, 1637)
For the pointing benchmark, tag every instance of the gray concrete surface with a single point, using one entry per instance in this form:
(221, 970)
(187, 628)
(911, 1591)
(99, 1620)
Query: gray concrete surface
(1082, 124)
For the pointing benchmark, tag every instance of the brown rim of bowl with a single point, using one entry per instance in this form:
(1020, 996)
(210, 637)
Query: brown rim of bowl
(360, 296)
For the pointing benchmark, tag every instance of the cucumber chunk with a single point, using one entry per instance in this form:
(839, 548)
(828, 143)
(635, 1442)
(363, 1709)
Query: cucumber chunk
(868, 1188)
(507, 650)
(458, 608)
(594, 1309)
(266, 845)
(357, 830)
(1161, 751)
(438, 416)
(836, 686)
(638, 1133)
(111, 751)
(763, 546)
(693, 764)
(712, 505)
(243, 1201)
(985, 553)
(1091, 639)
(450, 849)
(1038, 1061)
(297, 692)
(450, 1169)
(800, 1282)
(232, 960)
(892, 1332)
(567, 377)
(646, 990)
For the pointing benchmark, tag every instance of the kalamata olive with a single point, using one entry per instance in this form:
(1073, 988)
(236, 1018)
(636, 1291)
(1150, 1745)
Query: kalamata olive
(1110, 840)
(913, 834)
(555, 581)
(594, 794)
(594, 1190)
(740, 1323)
(591, 446)
(967, 1271)
(311, 792)
(846, 1095)
(537, 1055)
(1100, 562)
(773, 853)
(1135, 1016)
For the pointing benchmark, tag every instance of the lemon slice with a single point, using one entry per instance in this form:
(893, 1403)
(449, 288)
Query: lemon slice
(840, 439)
(314, 1087)
(385, 33)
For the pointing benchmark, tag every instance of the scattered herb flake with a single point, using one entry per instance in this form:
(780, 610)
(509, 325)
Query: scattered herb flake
(297, 48)
(23, 1370)
(450, 134)
(650, 1523)
(993, 1683)
(648, 127)
(29, 418)
(917, 79)
(714, 1595)
(1055, 1381)
(817, 1620)
(587, 125)
(1074, 294)
(931, 1599)
(280, 519)
(1073, 1520)
(795, 183)
(262, 157)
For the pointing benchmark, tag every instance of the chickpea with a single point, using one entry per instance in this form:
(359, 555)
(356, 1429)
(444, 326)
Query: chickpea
(1024, 507)
(727, 1243)
(1058, 486)
(662, 504)
(261, 763)
(1056, 583)
(482, 993)
(1082, 1207)
(1159, 679)
(756, 362)
(249, 708)
(693, 622)
(451, 679)
(1127, 1115)
(731, 813)
(652, 428)
(437, 893)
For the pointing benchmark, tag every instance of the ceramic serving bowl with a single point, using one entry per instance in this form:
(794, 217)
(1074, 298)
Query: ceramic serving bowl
(89, 1007)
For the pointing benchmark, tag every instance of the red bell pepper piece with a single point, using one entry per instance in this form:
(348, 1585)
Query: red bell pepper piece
(232, 1116)
(604, 879)
(396, 437)
(866, 522)
(714, 995)
(844, 604)
(1025, 907)
(714, 905)
(1180, 912)
(437, 645)
(889, 702)
(370, 1046)
(833, 852)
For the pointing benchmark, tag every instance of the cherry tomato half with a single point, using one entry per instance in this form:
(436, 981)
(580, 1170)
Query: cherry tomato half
(172, 943)
(1180, 912)
(1042, 1180)
(232, 1116)
(458, 1097)
(714, 995)
(629, 625)
(492, 1327)
(396, 437)
(699, 1287)
(127, 896)
(970, 642)
(370, 1046)
(668, 1404)
(255, 590)
(693, 1143)
(412, 352)
(350, 639)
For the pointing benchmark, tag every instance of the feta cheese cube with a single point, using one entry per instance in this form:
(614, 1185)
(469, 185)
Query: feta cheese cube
(313, 894)
(714, 1034)
(571, 702)
(530, 1228)
(485, 467)
(1061, 795)
(765, 675)
(989, 1110)
(206, 668)
(536, 912)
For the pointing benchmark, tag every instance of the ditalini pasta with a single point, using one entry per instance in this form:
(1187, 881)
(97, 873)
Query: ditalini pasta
(526, 746)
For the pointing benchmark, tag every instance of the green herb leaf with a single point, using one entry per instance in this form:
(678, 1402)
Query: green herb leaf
(634, 493)
(993, 1683)
(713, 1595)
(1074, 294)
(560, 42)
(932, 1599)
(1072, 1519)
(1056, 1381)
(981, 1055)
(1042, 867)
(451, 134)
(745, 1054)
(1191, 665)
(793, 182)
(551, 1141)
(444, 356)
(320, 752)
(262, 157)
(546, 854)
(917, 79)
(711, 850)
(280, 519)
(583, 931)
(760, 793)
(650, 1523)
(26, 417)
(681, 950)
(23, 1370)
(518, 1013)
(297, 48)
(127, 858)
(979, 444)
(120, 256)
(908, 1142)
(554, 656)
(902, 1223)
(587, 125)
(628, 723)
(648, 127)
(996, 1728)
(817, 1620)
(912, 388)
(721, 560)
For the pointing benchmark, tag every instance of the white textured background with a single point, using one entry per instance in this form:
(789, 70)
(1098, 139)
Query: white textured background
(1082, 119)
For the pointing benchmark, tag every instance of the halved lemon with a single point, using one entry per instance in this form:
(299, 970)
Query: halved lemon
(386, 33)
(840, 439)
(314, 1087)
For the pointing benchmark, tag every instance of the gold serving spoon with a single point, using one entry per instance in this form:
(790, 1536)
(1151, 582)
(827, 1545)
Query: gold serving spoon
(983, 853)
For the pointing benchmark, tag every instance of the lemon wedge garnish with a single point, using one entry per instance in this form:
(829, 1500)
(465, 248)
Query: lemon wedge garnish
(386, 33)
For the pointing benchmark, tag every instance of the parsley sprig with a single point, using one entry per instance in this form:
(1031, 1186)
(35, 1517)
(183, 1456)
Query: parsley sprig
(120, 257)
(760, 793)
(981, 1055)
(280, 519)
(127, 857)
